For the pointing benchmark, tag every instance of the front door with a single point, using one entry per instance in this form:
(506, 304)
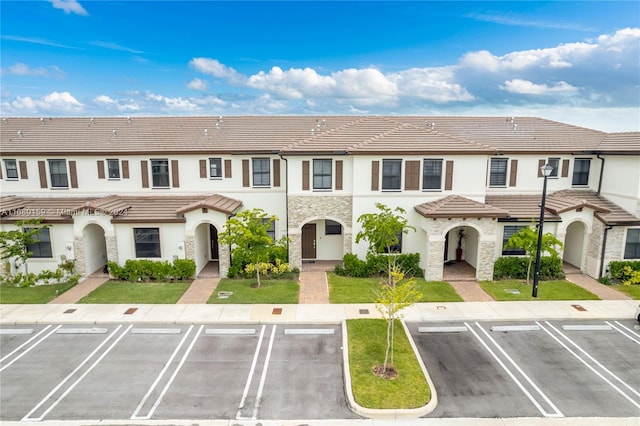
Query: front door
(213, 241)
(309, 241)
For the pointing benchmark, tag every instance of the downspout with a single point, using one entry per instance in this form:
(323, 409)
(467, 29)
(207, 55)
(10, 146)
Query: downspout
(604, 247)
(601, 173)
(286, 200)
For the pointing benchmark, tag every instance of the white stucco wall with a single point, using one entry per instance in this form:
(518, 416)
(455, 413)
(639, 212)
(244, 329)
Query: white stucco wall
(621, 182)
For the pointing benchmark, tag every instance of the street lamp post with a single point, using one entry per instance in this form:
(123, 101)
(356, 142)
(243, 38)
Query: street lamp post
(546, 171)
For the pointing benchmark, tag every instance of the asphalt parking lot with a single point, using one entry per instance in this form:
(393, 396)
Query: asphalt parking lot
(532, 368)
(120, 371)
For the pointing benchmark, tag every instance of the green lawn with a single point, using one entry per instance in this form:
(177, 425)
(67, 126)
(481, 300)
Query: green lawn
(360, 290)
(34, 294)
(547, 290)
(632, 290)
(127, 292)
(271, 292)
(367, 344)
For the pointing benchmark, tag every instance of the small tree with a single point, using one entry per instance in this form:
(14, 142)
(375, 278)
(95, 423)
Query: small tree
(14, 244)
(390, 300)
(247, 233)
(527, 240)
(382, 230)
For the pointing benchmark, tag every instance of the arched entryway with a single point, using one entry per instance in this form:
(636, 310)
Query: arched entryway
(95, 248)
(461, 254)
(574, 244)
(207, 249)
(322, 239)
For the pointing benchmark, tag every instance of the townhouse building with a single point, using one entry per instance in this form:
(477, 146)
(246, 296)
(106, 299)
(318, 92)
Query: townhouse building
(117, 188)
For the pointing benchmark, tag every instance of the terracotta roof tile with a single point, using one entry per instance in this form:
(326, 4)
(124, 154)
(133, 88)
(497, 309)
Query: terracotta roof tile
(455, 206)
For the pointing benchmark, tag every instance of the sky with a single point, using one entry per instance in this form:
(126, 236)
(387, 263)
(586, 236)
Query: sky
(571, 61)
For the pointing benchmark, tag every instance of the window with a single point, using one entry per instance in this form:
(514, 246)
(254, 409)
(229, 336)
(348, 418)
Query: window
(508, 232)
(58, 173)
(581, 171)
(331, 227)
(147, 241)
(555, 163)
(41, 248)
(160, 173)
(261, 172)
(271, 228)
(322, 174)
(396, 248)
(431, 174)
(215, 168)
(113, 167)
(391, 174)
(498, 172)
(11, 167)
(632, 246)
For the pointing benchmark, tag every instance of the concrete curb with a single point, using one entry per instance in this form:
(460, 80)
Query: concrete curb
(385, 414)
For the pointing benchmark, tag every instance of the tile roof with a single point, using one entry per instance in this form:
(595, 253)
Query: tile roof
(123, 209)
(456, 206)
(304, 134)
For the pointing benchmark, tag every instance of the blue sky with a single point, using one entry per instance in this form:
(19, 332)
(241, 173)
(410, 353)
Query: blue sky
(570, 61)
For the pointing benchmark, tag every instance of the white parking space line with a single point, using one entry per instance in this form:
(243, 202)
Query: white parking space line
(535, 402)
(264, 374)
(155, 405)
(625, 331)
(57, 400)
(250, 377)
(19, 348)
(594, 361)
(443, 329)
(230, 331)
(308, 331)
(15, 331)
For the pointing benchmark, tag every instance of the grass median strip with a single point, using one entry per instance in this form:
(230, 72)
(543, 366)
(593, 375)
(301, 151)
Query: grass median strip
(243, 291)
(36, 294)
(360, 290)
(367, 344)
(118, 292)
(547, 290)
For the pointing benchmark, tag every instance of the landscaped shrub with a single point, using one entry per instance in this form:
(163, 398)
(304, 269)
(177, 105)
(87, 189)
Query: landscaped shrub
(617, 268)
(275, 270)
(377, 264)
(149, 270)
(352, 266)
(515, 268)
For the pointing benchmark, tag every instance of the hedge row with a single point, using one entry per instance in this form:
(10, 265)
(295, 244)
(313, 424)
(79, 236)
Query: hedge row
(153, 270)
(377, 264)
(512, 267)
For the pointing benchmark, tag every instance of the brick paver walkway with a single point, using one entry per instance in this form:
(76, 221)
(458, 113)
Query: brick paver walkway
(470, 291)
(80, 290)
(199, 291)
(602, 291)
(314, 288)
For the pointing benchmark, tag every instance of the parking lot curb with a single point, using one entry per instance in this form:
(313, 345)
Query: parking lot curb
(386, 414)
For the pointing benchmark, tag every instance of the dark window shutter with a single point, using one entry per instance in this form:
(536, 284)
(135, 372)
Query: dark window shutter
(412, 175)
(203, 168)
(375, 175)
(23, 170)
(74, 174)
(42, 169)
(245, 172)
(0, 172)
(100, 169)
(175, 175)
(338, 175)
(144, 171)
(540, 164)
(565, 168)
(276, 172)
(227, 168)
(448, 176)
(513, 173)
(125, 169)
(305, 175)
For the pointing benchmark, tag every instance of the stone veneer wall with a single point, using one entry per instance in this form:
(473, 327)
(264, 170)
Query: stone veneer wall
(80, 262)
(437, 229)
(594, 249)
(303, 209)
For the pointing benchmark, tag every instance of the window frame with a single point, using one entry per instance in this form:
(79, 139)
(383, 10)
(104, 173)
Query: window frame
(261, 174)
(439, 161)
(511, 251)
(164, 162)
(581, 175)
(271, 231)
(325, 179)
(331, 227)
(396, 248)
(157, 250)
(14, 168)
(217, 161)
(115, 161)
(498, 173)
(389, 180)
(54, 177)
(42, 248)
(632, 249)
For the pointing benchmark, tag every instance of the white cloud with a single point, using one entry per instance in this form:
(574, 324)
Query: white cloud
(215, 68)
(432, 84)
(198, 84)
(115, 46)
(69, 6)
(169, 104)
(529, 88)
(21, 69)
(54, 102)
